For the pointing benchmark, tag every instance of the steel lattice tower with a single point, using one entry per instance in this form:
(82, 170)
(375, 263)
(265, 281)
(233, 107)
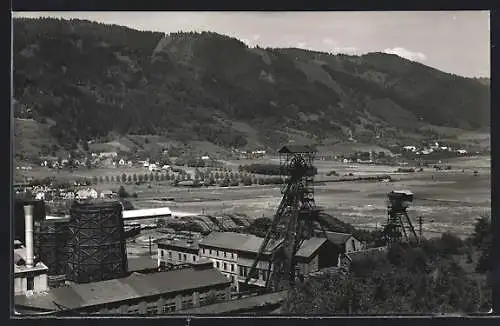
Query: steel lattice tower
(399, 227)
(294, 219)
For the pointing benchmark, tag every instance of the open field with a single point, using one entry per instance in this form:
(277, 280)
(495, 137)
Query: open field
(447, 200)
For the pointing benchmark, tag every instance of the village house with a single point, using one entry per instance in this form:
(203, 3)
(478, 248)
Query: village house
(108, 155)
(87, 193)
(107, 194)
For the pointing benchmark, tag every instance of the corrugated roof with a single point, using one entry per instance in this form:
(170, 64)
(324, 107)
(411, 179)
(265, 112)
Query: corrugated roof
(237, 241)
(310, 246)
(337, 237)
(132, 287)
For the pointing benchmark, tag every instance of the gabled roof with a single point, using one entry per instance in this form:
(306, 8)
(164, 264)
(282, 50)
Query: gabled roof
(238, 242)
(337, 237)
(133, 287)
(184, 244)
(297, 149)
(309, 247)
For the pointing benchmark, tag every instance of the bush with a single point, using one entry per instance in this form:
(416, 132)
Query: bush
(122, 193)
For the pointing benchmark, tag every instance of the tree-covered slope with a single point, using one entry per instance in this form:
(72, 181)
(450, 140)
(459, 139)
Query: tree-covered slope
(93, 79)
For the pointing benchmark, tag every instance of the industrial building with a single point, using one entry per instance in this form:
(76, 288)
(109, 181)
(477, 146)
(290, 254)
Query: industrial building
(176, 251)
(156, 293)
(234, 253)
(30, 275)
(96, 246)
(137, 214)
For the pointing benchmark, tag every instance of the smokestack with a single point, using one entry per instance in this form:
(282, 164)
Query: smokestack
(28, 224)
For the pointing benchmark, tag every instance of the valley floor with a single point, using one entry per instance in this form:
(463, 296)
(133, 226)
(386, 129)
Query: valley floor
(447, 200)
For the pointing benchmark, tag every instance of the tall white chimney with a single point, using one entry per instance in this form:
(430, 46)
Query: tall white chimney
(28, 225)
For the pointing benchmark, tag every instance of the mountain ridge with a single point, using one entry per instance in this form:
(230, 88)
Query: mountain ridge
(96, 80)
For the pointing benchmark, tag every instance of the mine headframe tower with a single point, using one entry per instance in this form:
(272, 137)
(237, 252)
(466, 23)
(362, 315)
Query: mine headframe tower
(399, 227)
(293, 221)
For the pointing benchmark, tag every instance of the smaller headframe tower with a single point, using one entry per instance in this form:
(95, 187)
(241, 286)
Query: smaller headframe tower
(399, 227)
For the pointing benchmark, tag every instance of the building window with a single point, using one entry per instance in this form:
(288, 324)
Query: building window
(203, 250)
(225, 266)
(162, 253)
(232, 267)
(30, 283)
(353, 243)
(232, 279)
(217, 264)
(254, 274)
(187, 303)
(170, 307)
(194, 258)
(264, 275)
(152, 310)
(170, 254)
(210, 252)
(225, 254)
(241, 270)
(217, 253)
(185, 257)
(232, 256)
(180, 257)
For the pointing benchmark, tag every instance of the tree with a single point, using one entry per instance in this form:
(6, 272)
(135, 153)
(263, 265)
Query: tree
(134, 177)
(106, 178)
(94, 180)
(101, 179)
(124, 177)
(122, 193)
(129, 178)
(141, 178)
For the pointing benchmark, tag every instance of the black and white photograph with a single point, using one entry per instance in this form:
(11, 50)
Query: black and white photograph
(251, 163)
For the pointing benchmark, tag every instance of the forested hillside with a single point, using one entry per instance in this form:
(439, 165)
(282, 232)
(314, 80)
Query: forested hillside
(89, 80)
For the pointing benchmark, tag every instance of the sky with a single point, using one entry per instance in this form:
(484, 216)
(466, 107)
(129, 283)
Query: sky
(452, 41)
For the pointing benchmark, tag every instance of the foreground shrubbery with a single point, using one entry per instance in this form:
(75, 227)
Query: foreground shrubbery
(427, 279)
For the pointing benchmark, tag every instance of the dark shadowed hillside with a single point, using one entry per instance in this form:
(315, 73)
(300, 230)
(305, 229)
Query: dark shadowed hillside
(87, 81)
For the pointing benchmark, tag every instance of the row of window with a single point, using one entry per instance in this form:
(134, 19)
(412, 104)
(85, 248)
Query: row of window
(218, 265)
(181, 257)
(218, 253)
(255, 274)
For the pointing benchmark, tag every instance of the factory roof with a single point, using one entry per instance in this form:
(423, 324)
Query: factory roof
(310, 246)
(177, 243)
(136, 264)
(237, 241)
(337, 237)
(374, 253)
(146, 213)
(133, 287)
(297, 149)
